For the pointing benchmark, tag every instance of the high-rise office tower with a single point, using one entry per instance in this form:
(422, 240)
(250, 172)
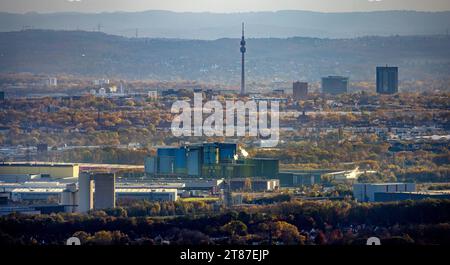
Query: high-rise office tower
(335, 85)
(299, 90)
(243, 50)
(387, 80)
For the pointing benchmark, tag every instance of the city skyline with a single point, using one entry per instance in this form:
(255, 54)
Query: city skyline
(234, 133)
(219, 6)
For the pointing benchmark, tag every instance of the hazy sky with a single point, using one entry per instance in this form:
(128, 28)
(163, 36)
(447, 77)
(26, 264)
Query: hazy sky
(46, 6)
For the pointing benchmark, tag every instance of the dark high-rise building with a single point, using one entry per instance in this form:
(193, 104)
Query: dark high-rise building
(2, 95)
(243, 50)
(387, 80)
(299, 90)
(335, 85)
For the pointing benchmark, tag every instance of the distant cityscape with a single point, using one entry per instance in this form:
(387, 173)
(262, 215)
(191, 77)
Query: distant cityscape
(93, 156)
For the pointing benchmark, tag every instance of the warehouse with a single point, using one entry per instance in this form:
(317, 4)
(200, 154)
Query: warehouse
(18, 178)
(50, 170)
(147, 194)
(255, 185)
(365, 192)
(8, 187)
(295, 179)
(41, 194)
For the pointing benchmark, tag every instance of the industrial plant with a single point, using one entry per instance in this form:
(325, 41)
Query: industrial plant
(65, 187)
(222, 171)
(209, 160)
(193, 170)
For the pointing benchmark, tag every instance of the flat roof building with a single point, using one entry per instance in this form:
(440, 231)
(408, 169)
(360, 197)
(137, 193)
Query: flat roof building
(293, 179)
(300, 90)
(335, 85)
(366, 192)
(52, 170)
(147, 194)
(18, 178)
(255, 185)
(387, 80)
(23, 194)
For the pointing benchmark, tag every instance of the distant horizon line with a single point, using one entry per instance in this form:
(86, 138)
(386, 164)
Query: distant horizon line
(223, 13)
(224, 38)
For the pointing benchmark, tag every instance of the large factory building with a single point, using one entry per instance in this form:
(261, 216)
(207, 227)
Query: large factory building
(51, 170)
(209, 160)
(366, 192)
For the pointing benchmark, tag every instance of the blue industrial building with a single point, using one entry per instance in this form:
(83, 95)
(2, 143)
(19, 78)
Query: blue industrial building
(227, 151)
(208, 160)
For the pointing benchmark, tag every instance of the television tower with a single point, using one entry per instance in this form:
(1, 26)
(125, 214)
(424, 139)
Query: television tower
(243, 49)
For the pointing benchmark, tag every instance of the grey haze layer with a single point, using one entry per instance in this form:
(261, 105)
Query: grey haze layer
(281, 24)
(219, 6)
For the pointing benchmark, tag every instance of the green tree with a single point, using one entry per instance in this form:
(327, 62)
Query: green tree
(234, 228)
(102, 238)
(287, 233)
